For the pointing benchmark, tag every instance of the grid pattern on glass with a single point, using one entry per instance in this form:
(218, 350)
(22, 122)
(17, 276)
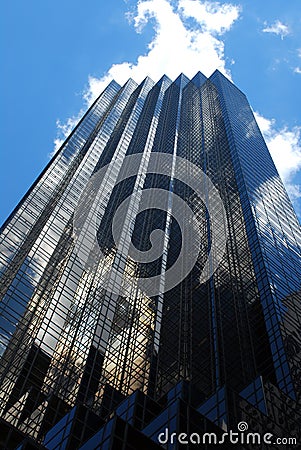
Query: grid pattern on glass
(67, 341)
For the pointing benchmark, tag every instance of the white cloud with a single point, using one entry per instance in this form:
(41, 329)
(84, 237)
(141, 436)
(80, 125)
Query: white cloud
(285, 148)
(264, 124)
(286, 151)
(297, 69)
(294, 191)
(278, 28)
(63, 131)
(212, 16)
(178, 45)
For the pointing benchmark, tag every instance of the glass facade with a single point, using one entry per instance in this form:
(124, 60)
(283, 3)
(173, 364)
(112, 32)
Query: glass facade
(103, 348)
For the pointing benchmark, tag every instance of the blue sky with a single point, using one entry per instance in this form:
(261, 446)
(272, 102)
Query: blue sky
(58, 55)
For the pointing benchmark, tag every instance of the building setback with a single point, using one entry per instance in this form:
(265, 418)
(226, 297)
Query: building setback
(113, 327)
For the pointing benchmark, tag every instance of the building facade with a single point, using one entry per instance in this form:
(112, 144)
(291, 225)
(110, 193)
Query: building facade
(150, 279)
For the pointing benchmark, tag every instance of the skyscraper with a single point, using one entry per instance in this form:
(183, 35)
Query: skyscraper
(150, 279)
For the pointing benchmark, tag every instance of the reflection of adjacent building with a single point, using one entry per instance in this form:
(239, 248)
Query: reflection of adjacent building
(106, 339)
(25, 349)
(89, 359)
(96, 348)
